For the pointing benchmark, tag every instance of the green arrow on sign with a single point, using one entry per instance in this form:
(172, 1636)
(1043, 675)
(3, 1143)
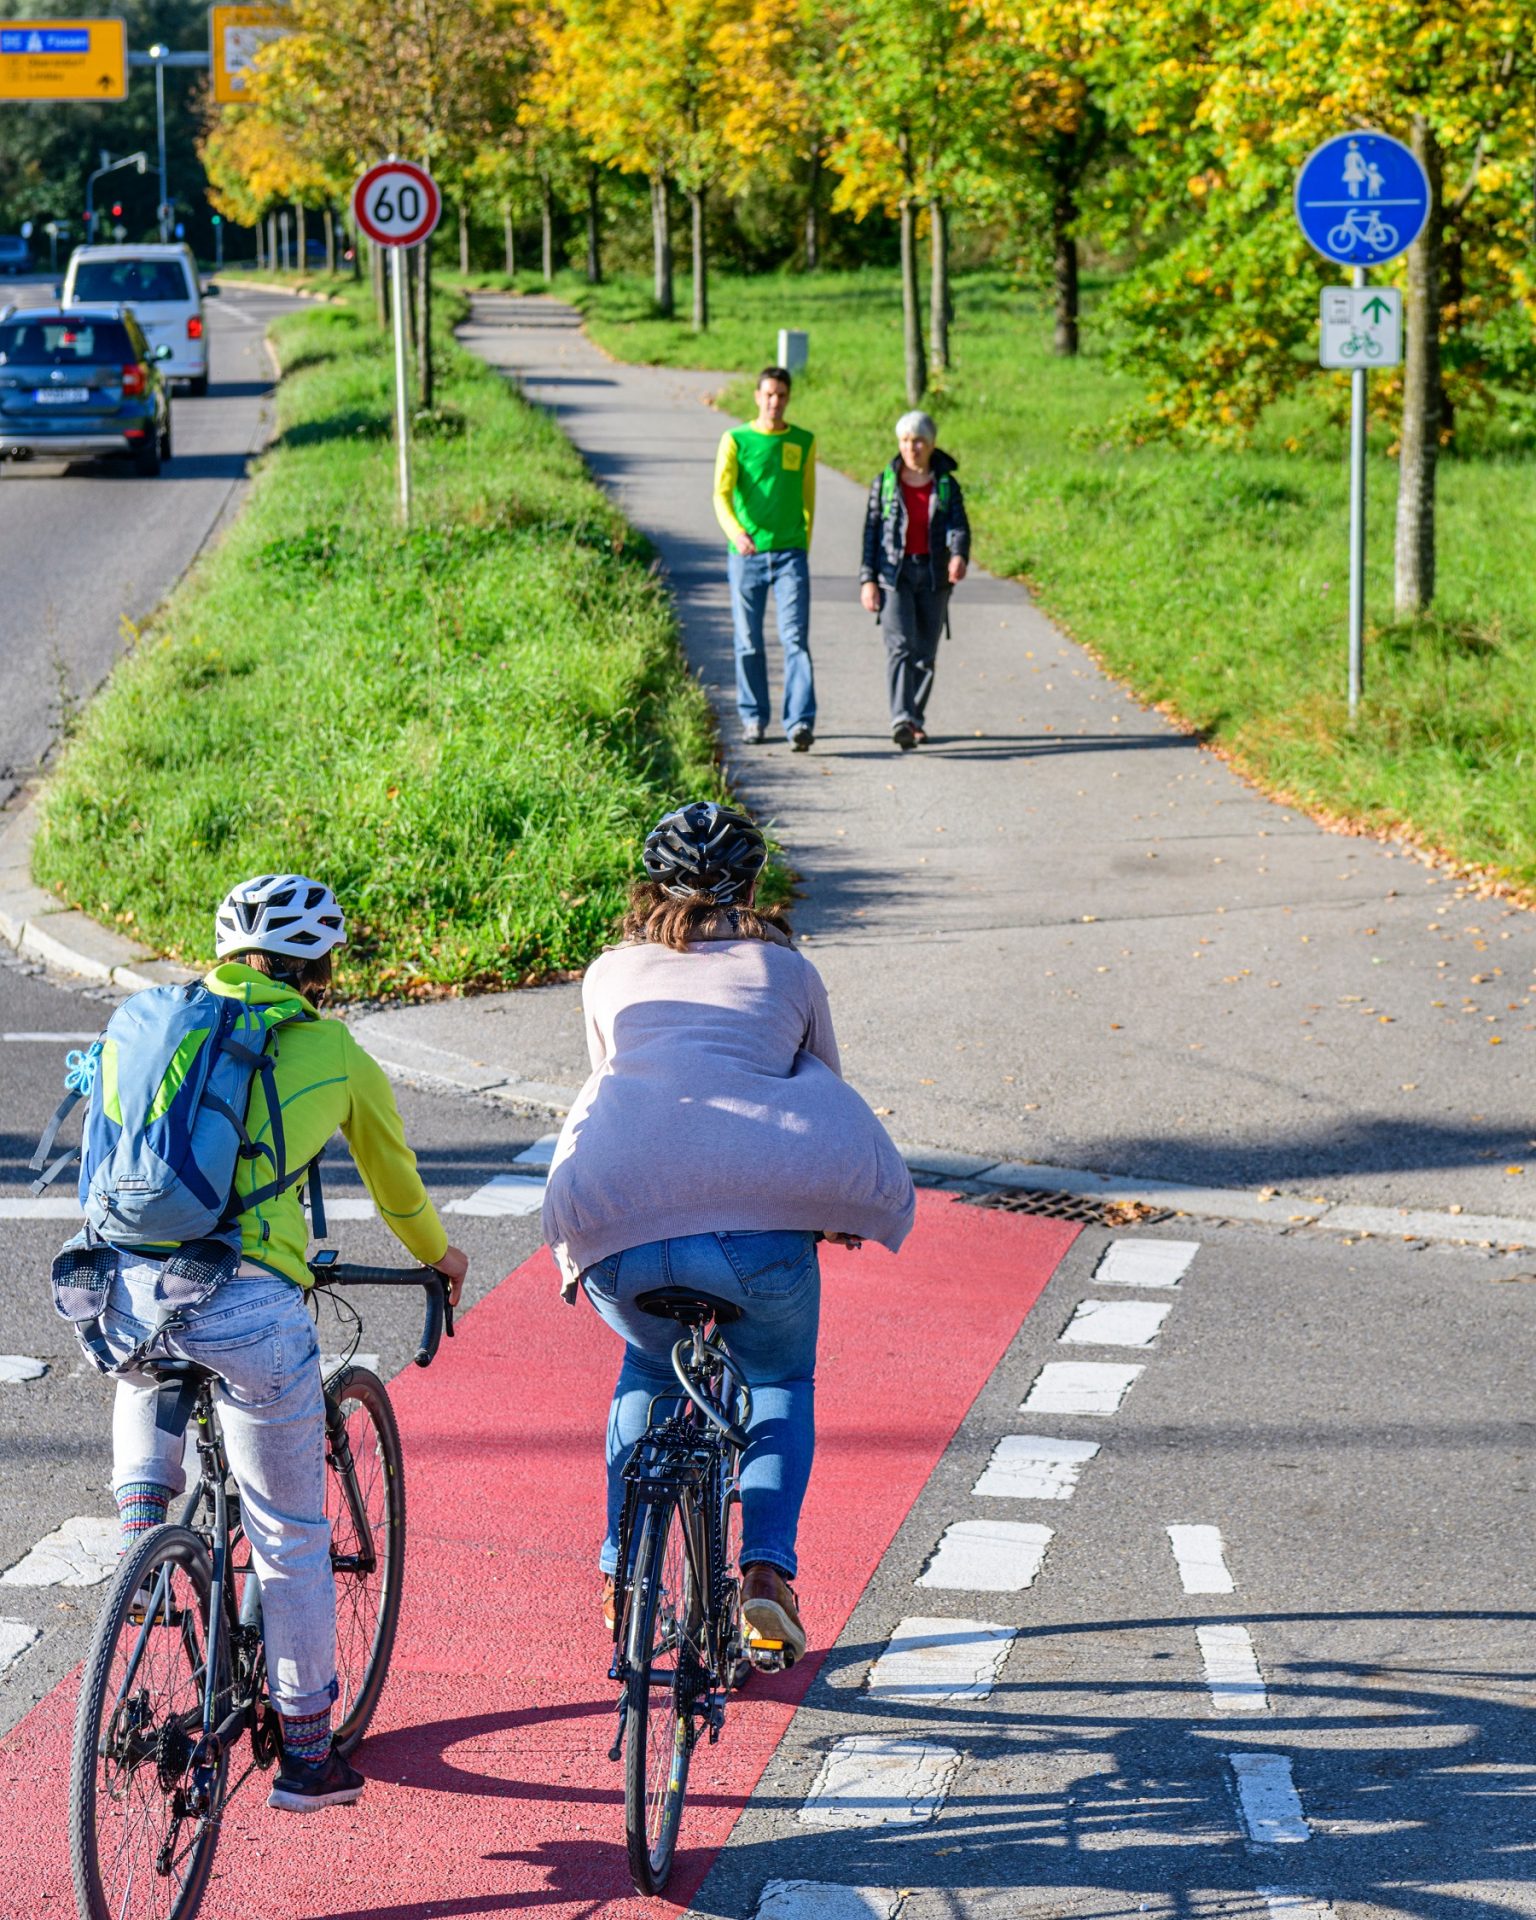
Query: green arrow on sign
(1376, 308)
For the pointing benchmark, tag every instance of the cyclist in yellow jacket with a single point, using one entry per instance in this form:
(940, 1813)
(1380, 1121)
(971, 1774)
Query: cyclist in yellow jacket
(274, 940)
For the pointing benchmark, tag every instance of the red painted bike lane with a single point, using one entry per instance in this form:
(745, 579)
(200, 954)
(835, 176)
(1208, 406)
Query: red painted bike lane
(490, 1790)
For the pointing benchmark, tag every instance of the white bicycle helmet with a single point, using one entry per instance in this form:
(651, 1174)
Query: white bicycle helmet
(279, 913)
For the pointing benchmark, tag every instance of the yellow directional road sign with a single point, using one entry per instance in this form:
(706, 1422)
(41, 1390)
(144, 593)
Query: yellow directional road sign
(63, 60)
(238, 34)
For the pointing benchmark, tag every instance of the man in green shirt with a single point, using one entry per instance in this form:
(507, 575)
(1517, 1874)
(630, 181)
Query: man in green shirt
(765, 501)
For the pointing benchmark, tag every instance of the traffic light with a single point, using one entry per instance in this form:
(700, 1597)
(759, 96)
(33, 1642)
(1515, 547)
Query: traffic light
(218, 219)
(117, 209)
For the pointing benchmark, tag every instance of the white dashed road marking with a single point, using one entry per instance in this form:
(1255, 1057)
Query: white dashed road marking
(871, 1780)
(1286, 1905)
(1267, 1798)
(539, 1155)
(52, 1039)
(1145, 1263)
(1027, 1466)
(987, 1556)
(1116, 1323)
(1080, 1386)
(822, 1900)
(15, 1637)
(1202, 1566)
(81, 1553)
(1232, 1669)
(506, 1193)
(16, 1367)
(927, 1660)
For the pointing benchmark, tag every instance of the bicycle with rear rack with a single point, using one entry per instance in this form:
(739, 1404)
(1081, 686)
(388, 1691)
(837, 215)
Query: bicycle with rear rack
(176, 1679)
(679, 1647)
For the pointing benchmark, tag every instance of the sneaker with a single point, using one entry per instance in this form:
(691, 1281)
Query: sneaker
(300, 1788)
(753, 733)
(919, 737)
(772, 1616)
(802, 739)
(905, 735)
(610, 1601)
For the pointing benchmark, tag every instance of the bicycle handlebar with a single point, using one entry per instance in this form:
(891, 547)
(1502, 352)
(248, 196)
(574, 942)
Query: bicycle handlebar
(439, 1318)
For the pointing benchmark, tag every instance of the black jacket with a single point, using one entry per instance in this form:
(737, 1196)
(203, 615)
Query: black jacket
(885, 523)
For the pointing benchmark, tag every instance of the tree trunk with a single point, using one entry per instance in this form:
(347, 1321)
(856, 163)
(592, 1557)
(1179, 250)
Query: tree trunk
(1415, 585)
(261, 250)
(661, 245)
(301, 230)
(546, 228)
(594, 229)
(1064, 251)
(813, 211)
(700, 261)
(330, 240)
(424, 324)
(911, 309)
(380, 281)
(509, 239)
(939, 308)
(274, 259)
(463, 239)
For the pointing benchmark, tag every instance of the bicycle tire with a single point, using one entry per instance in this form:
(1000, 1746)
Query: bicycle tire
(99, 1873)
(367, 1604)
(656, 1715)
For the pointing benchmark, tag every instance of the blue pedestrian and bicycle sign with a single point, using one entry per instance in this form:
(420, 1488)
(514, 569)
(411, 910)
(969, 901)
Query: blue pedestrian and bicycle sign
(1362, 198)
(46, 40)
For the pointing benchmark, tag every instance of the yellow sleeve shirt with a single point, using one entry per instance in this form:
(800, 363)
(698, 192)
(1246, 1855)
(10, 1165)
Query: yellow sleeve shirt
(725, 488)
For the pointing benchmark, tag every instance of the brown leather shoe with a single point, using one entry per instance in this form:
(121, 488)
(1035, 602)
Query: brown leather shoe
(772, 1614)
(610, 1601)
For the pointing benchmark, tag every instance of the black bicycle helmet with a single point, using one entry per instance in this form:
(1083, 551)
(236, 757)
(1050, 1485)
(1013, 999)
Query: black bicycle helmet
(705, 848)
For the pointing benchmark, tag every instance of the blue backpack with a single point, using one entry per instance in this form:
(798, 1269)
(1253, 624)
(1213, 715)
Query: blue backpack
(167, 1086)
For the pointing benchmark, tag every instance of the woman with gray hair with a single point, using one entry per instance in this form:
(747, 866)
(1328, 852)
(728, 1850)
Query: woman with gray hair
(917, 544)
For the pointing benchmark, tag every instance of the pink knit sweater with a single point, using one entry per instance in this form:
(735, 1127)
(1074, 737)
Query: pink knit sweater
(716, 1104)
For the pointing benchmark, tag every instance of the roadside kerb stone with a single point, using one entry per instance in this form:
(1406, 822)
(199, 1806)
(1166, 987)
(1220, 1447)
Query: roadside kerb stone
(1226, 1203)
(76, 943)
(1414, 1224)
(19, 906)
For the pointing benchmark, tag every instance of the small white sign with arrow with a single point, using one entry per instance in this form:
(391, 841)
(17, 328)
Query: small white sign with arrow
(1362, 327)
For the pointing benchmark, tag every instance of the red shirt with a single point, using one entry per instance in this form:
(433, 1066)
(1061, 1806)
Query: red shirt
(917, 501)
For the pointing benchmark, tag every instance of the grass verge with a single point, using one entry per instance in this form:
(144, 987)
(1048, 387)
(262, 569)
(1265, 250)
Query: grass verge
(1215, 583)
(466, 729)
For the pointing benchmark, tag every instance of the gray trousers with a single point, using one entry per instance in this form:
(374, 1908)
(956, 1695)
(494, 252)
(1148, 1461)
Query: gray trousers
(912, 621)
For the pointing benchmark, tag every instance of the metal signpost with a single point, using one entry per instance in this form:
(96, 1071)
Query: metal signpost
(398, 206)
(1361, 200)
(63, 60)
(236, 37)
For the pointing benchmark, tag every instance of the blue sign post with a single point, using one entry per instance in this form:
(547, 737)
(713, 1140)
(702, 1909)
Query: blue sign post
(1361, 199)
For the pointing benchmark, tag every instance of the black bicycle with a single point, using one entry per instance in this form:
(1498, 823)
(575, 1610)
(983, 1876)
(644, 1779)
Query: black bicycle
(679, 1644)
(176, 1676)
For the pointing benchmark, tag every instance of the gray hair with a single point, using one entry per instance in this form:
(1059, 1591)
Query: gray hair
(919, 426)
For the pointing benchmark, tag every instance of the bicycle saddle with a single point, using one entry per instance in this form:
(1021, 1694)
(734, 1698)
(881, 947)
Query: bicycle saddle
(690, 1305)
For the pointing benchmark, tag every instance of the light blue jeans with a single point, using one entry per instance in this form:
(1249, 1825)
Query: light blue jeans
(776, 1279)
(257, 1336)
(787, 576)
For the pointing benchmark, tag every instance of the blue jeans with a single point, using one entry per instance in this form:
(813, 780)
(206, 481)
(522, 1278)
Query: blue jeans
(257, 1336)
(787, 575)
(776, 1280)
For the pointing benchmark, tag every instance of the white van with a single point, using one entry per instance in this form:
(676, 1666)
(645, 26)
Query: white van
(160, 283)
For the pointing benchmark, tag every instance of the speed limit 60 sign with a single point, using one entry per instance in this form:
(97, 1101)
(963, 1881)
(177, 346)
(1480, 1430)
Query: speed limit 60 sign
(397, 204)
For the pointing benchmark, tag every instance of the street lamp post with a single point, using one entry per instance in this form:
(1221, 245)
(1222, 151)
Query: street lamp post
(157, 53)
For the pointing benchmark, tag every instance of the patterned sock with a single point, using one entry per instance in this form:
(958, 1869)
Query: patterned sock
(307, 1737)
(141, 1505)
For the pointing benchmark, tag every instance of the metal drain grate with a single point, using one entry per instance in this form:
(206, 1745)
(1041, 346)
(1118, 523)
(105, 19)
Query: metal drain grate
(1081, 1207)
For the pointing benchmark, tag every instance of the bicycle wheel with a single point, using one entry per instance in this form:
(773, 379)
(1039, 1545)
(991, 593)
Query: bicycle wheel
(665, 1620)
(142, 1824)
(365, 1504)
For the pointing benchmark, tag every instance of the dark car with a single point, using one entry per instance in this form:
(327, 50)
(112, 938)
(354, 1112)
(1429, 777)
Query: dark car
(15, 254)
(82, 381)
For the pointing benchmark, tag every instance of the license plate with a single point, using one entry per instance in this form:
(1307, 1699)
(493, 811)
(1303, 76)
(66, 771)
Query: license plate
(60, 396)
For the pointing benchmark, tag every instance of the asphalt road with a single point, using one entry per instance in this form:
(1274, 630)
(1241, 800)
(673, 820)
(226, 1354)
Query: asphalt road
(88, 545)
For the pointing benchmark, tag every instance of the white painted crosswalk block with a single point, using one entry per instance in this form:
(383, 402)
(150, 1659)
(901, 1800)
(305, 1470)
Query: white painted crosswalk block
(873, 1780)
(1199, 1552)
(927, 1660)
(1232, 1669)
(15, 1368)
(504, 1195)
(1028, 1466)
(81, 1553)
(824, 1900)
(15, 1637)
(987, 1556)
(1285, 1904)
(538, 1157)
(1145, 1263)
(1116, 1323)
(1080, 1386)
(332, 1363)
(1267, 1799)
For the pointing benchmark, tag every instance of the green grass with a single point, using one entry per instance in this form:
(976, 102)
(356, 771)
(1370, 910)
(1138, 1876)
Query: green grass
(1216, 583)
(466, 729)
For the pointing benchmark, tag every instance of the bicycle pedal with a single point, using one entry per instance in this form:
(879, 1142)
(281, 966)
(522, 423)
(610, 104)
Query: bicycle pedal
(759, 1645)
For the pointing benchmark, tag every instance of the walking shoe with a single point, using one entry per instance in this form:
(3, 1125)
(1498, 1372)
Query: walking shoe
(610, 1601)
(802, 739)
(770, 1610)
(905, 735)
(300, 1788)
(919, 737)
(753, 733)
